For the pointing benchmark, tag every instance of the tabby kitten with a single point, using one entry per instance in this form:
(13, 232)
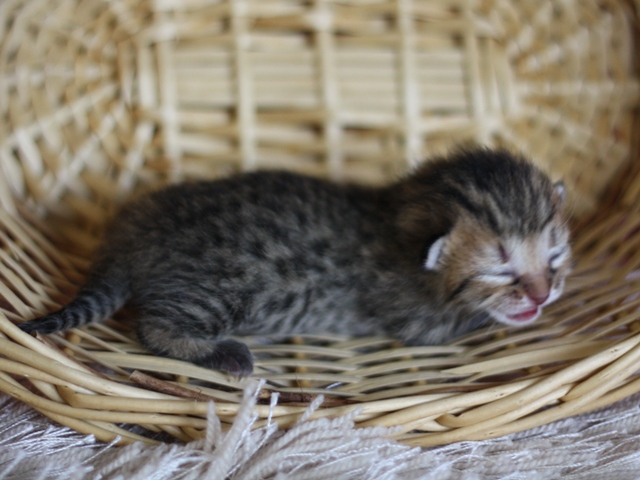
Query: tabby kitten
(461, 239)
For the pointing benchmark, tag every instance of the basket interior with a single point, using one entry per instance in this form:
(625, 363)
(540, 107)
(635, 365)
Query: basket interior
(102, 98)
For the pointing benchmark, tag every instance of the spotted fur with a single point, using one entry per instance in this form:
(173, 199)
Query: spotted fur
(479, 234)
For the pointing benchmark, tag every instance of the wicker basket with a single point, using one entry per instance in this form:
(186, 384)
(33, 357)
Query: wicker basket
(103, 99)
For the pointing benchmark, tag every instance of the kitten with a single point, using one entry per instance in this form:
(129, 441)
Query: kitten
(430, 257)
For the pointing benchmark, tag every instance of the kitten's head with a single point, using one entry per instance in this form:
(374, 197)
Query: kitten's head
(506, 250)
(508, 275)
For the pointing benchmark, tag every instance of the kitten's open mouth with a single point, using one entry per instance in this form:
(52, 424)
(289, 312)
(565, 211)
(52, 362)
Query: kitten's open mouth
(524, 316)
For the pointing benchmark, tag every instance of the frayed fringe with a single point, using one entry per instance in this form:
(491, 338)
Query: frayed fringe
(602, 444)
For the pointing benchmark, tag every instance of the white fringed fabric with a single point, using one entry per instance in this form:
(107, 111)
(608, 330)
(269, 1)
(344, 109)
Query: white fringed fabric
(604, 444)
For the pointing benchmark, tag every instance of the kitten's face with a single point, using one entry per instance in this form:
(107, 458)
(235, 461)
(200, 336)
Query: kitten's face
(510, 277)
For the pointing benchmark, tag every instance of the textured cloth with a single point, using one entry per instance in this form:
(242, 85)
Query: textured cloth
(604, 444)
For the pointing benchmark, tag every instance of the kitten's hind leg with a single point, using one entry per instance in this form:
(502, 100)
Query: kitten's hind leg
(163, 337)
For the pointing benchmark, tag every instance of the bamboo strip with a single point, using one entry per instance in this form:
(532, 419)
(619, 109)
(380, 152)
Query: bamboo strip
(132, 404)
(104, 434)
(570, 374)
(29, 372)
(72, 375)
(198, 392)
(563, 410)
(72, 348)
(66, 396)
(437, 406)
(87, 414)
(603, 377)
(478, 430)
(535, 357)
(32, 344)
(193, 433)
(173, 367)
(174, 389)
(113, 334)
(105, 345)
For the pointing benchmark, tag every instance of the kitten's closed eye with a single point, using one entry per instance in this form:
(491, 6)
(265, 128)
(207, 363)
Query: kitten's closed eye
(558, 257)
(500, 277)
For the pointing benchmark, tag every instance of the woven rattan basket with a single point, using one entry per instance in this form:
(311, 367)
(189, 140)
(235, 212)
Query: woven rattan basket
(101, 99)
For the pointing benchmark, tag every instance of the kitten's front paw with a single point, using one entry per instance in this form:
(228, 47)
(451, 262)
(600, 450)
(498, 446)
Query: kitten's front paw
(230, 357)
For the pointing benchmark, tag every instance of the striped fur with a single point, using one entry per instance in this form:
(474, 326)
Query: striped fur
(479, 234)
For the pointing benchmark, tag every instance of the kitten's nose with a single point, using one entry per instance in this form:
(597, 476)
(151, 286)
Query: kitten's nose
(536, 287)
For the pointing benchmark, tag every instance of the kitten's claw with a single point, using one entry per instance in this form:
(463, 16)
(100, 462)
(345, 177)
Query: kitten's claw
(231, 357)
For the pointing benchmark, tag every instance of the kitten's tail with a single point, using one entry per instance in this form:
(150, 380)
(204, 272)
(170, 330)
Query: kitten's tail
(101, 297)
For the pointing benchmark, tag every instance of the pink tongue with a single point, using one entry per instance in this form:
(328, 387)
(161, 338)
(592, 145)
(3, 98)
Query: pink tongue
(524, 316)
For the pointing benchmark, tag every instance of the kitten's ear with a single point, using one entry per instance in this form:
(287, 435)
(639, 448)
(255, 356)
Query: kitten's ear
(434, 252)
(561, 191)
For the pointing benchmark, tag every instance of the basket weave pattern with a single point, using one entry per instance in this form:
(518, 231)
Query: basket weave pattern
(100, 100)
